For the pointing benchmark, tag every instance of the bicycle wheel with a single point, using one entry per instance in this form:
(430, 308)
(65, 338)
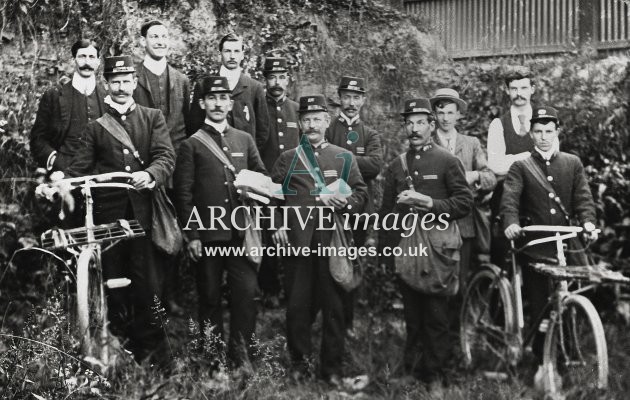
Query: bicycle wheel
(487, 323)
(575, 354)
(91, 306)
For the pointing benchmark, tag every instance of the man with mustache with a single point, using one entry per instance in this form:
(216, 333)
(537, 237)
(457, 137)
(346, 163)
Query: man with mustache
(162, 87)
(151, 161)
(65, 110)
(283, 135)
(509, 141)
(431, 180)
(560, 194)
(203, 182)
(249, 111)
(348, 131)
(310, 285)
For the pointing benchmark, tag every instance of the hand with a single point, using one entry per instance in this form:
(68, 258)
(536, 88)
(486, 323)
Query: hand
(513, 231)
(590, 231)
(280, 237)
(472, 177)
(141, 180)
(195, 249)
(336, 202)
(414, 198)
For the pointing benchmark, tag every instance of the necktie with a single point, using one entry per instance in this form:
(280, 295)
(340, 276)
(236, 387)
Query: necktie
(523, 128)
(450, 147)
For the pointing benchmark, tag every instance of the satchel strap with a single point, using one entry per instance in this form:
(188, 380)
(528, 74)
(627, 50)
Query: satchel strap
(536, 171)
(214, 149)
(405, 168)
(119, 133)
(308, 164)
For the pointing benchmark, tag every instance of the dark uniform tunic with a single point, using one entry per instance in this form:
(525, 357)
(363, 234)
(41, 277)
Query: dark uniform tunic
(438, 174)
(202, 181)
(524, 197)
(309, 283)
(98, 152)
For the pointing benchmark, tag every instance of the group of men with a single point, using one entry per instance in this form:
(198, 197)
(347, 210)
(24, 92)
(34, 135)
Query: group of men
(196, 148)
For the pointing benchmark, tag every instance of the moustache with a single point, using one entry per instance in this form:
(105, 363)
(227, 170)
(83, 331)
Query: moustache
(217, 109)
(350, 109)
(414, 136)
(276, 88)
(86, 68)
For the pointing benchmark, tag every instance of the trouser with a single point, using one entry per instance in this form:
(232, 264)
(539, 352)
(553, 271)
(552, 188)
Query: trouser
(242, 283)
(455, 302)
(499, 244)
(350, 298)
(536, 289)
(172, 268)
(427, 347)
(309, 286)
(132, 309)
(269, 272)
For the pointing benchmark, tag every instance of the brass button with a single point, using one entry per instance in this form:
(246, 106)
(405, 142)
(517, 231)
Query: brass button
(551, 195)
(417, 156)
(550, 178)
(127, 168)
(225, 148)
(279, 120)
(124, 117)
(281, 146)
(280, 134)
(317, 199)
(415, 173)
(552, 211)
(226, 200)
(125, 151)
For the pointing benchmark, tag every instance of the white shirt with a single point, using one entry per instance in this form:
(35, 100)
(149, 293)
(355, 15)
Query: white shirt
(546, 155)
(232, 75)
(121, 108)
(498, 161)
(448, 140)
(348, 120)
(219, 127)
(157, 67)
(85, 86)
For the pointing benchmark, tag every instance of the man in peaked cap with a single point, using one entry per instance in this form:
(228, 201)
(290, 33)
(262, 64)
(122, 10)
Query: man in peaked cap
(433, 181)
(561, 193)
(249, 111)
(99, 151)
(309, 283)
(204, 183)
(283, 135)
(348, 131)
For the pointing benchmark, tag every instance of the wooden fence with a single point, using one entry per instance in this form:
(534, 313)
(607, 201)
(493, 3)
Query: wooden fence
(474, 28)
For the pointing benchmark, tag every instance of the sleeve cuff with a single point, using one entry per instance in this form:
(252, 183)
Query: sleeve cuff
(50, 162)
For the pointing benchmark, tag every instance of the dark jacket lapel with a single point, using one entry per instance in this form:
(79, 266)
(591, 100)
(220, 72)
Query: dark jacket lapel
(241, 85)
(65, 104)
(143, 81)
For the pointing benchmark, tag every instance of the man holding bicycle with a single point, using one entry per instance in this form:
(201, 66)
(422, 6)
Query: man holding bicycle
(547, 188)
(146, 152)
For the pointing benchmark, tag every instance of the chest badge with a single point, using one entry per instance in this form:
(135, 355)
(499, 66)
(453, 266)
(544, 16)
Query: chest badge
(246, 111)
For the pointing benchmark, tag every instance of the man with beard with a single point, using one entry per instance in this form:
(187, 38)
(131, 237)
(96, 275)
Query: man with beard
(283, 135)
(249, 110)
(162, 87)
(310, 284)
(101, 150)
(65, 110)
(509, 141)
(204, 181)
(431, 180)
(349, 132)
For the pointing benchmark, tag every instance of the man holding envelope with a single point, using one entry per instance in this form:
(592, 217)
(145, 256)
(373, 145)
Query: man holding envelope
(318, 180)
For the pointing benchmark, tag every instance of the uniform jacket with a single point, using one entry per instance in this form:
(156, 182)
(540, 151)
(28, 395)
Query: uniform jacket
(367, 148)
(469, 151)
(284, 132)
(331, 168)
(249, 112)
(524, 197)
(97, 152)
(49, 133)
(436, 173)
(201, 180)
(179, 100)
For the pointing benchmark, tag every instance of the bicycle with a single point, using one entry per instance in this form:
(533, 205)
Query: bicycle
(492, 333)
(86, 246)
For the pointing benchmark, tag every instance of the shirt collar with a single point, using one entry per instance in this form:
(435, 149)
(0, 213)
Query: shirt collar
(232, 75)
(528, 112)
(122, 109)
(321, 145)
(422, 149)
(83, 85)
(347, 120)
(220, 127)
(277, 101)
(157, 67)
(443, 136)
(546, 155)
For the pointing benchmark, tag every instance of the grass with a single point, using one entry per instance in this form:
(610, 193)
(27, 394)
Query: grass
(42, 359)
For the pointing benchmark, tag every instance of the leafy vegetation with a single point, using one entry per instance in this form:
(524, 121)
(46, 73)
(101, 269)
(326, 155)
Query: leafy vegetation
(399, 57)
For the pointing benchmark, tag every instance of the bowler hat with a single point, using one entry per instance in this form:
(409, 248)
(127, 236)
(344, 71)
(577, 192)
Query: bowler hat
(450, 95)
(545, 114)
(417, 106)
(214, 84)
(313, 103)
(275, 64)
(118, 65)
(352, 84)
